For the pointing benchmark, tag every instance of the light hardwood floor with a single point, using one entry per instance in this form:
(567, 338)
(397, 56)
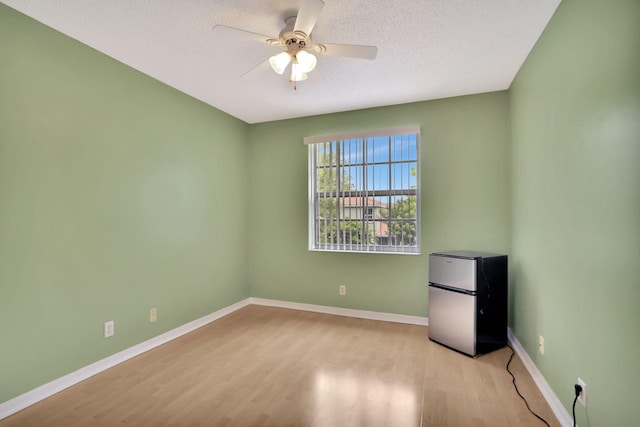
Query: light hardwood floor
(265, 366)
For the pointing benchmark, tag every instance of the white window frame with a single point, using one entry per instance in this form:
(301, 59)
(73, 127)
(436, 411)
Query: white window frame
(318, 240)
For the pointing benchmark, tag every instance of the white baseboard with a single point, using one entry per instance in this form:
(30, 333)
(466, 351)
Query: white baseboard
(556, 405)
(40, 393)
(37, 394)
(339, 311)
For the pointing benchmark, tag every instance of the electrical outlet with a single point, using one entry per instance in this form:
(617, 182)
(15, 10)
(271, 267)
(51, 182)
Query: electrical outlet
(583, 394)
(108, 329)
(541, 345)
(343, 289)
(153, 315)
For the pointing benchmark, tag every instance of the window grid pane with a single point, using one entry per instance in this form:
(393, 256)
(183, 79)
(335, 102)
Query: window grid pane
(365, 195)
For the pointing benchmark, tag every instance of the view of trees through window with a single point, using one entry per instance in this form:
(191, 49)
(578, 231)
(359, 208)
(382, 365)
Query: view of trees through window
(364, 194)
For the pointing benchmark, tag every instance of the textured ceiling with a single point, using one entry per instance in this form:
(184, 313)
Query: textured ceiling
(427, 49)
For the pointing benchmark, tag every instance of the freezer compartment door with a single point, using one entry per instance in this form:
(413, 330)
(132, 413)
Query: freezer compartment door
(453, 272)
(452, 319)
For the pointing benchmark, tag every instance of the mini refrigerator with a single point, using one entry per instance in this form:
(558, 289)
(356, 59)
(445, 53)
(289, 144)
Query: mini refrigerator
(468, 301)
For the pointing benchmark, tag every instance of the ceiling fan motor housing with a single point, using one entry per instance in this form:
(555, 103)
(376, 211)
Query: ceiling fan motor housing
(293, 41)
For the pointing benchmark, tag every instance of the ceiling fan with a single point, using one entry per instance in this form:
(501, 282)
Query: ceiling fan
(299, 48)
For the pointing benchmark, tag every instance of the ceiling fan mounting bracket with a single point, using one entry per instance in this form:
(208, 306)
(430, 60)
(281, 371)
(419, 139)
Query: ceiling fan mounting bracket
(319, 49)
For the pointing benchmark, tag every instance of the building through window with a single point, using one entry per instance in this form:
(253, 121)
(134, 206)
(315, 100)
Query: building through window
(364, 192)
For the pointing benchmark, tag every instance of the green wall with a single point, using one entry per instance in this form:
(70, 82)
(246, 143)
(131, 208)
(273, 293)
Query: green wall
(117, 194)
(465, 203)
(576, 207)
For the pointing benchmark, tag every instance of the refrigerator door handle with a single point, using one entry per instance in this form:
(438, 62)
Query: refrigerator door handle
(449, 288)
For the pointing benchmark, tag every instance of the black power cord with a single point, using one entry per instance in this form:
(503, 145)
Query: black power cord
(518, 391)
(578, 393)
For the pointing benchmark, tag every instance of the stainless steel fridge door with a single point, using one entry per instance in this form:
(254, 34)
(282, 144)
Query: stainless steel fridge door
(453, 272)
(452, 319)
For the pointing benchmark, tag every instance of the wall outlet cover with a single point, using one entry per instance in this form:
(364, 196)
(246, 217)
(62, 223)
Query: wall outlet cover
(541, 345)
(109, 329)
(583, 394)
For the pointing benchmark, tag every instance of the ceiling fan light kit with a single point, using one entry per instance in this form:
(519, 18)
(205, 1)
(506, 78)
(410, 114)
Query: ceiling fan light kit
(279, 62)
(295, 38)
(301, 64)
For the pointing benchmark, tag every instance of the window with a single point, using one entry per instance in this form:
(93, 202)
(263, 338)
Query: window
(368, 213)
(364, 192)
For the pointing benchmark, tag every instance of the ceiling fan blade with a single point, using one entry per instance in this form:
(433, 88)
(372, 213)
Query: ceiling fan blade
(348, 50)
(308, 15)
(316, 79)
(260, 68)
(242, 33)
